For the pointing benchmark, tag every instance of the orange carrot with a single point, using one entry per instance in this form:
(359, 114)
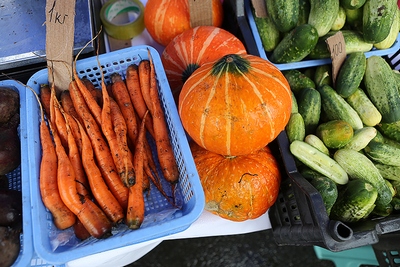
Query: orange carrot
(100, 147)
(80, 230)
(45, 94)
(108, 203)
(165, 152)
(121, 96)
(96, 93)
(144, 78)
(136, 204)
(70, 112)
(94, 220)
(133, 85)
(120, 131)
(63, 218)
(57, 119)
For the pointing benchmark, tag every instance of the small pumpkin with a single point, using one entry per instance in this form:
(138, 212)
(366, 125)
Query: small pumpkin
(165, 19)
(238, 188)
(235, 105)
(194, 47)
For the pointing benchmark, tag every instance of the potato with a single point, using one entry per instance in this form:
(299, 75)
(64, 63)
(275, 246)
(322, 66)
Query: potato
(11, 208)
(10, 150)
(10, 245)
(9, 104)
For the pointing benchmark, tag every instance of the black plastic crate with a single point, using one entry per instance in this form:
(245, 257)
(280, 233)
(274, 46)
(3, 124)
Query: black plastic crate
(387, 250)
(298, 217)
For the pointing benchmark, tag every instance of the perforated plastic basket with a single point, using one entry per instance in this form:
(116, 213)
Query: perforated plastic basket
(306, 62)
(18, 180)
(160, 218)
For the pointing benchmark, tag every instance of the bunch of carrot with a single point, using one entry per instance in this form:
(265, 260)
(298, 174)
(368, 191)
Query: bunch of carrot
(97, 162)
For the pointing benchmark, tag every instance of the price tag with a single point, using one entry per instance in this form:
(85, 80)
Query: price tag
(337, 48)
(260, 8)
(200, 13)
(60, 19)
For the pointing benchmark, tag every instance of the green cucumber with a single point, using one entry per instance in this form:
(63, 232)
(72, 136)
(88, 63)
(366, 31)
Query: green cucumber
(378, 17)
(318, 161)
(296, 45)
(295, 108)
(367, 111)
(359, 166)
(382, 211)
(396, 203)
(396, 186)
(340, 20)
(383, 153)
(323, 14)
(351, 74)
(391, 38)
(354, 43)
(389, 172)
(391, 130)
(335, 134)
(355, 202)
(316, 142)
(336, 107)
(295, 129)
(298, 80)
(361, 138)
(352, 4)
(309, 105)
(269, 34)
(284, 13)
(328, 191)
(304, 11)
(381, 87)
(323, 75)
(354, 18)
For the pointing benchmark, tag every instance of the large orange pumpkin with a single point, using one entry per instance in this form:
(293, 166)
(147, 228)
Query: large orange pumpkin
(238, 188)
(194, 47)
(165, 19)
(235, 105)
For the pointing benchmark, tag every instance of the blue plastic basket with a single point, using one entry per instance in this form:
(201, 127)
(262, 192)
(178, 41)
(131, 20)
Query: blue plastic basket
(306, 62)
(160, 219)
(19, 180)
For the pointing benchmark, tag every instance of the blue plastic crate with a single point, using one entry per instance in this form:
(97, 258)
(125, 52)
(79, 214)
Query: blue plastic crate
(19, 180)
(160, 218)
(306, 62)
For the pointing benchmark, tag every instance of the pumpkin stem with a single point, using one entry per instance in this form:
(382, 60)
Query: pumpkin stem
(231, 63)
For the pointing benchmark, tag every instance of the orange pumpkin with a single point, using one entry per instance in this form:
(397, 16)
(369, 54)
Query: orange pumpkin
(194, 47)
(238, 188)
(235, 105)
(165, 19)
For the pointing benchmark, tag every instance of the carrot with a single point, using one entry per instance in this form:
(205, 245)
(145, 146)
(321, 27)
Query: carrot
(120, 130)
(70, 112)
(104, 197)
(144, 79)
(87, 95)
(165, 152)
(100, 148)
(133, 85)
(94, 220)
(45, 93)
(63, 217)
(96, 93)
(121, 96)
(57, 119)
(136, 205)
(80, 230)
(82, 185)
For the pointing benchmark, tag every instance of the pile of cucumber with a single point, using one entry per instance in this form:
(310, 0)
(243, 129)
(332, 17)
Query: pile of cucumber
(345, 135)
(297, 29)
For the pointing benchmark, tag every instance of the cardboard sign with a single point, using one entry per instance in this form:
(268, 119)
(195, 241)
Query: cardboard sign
(60, 19)
(200, 13)
(260, 8)
(337, 48)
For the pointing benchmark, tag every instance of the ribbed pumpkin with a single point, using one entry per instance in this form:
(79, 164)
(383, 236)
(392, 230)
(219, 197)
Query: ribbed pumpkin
(165, 19)
(238, 188)
(235, 105)
(194, 47)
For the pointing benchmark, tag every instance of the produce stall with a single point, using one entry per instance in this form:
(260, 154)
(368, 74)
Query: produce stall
(290, 200)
